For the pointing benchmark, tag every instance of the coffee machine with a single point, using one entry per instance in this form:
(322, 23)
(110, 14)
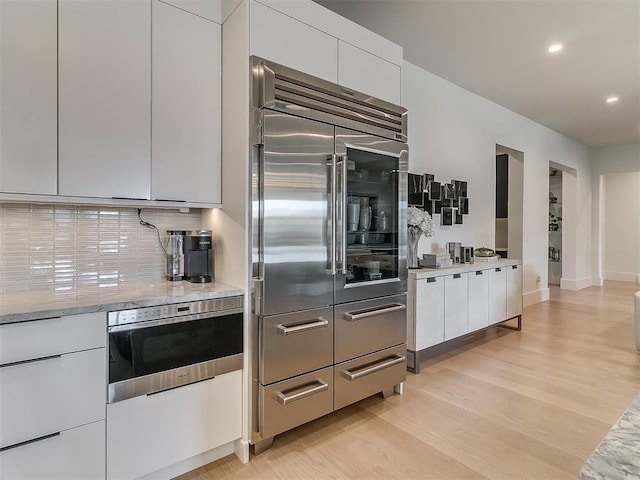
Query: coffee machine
(198, 258)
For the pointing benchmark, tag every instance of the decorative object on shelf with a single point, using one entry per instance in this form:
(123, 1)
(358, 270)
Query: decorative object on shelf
(419, 223)
(450, 200)
(554, 222)
(484, 252)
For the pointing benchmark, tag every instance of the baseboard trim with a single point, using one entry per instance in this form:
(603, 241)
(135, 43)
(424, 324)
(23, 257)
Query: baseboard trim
(597, 281)
(579, 284)
(241, 449)
(192, 463)
(534, 297)
(621, 276)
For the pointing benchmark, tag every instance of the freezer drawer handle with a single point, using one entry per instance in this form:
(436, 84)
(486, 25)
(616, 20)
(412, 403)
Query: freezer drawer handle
(320, 387)
(386, 363)
(374, 312)
(316, 323)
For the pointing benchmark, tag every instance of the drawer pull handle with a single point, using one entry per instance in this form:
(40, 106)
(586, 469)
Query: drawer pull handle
(498, 269)
(34, 440)
(374, 312)
(316, 323)
(514, 267)
(431, 280)
(385, 363)
(457, 275)
(479, 272)
(320, 387)
(31, 360)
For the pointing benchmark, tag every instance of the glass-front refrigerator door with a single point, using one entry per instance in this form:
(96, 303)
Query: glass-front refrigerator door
(371, 216)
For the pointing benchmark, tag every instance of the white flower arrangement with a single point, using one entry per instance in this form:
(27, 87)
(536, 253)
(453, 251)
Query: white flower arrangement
(421, 220)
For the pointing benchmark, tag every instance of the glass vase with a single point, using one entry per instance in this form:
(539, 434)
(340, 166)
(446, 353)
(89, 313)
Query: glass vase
(413, 236)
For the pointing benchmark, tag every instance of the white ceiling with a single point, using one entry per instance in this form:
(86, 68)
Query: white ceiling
(498, 49)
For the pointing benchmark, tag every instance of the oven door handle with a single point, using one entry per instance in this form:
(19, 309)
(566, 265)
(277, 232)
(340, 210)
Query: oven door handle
(316, 323)
(168, 321)
(374, 312)
(320, 387)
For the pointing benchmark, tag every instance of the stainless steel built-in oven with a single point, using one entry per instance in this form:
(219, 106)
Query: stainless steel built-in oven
(152, 349)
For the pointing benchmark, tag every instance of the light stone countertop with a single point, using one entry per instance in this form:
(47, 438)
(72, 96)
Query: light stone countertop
(618, 455)
(47, 303)
(420, 273)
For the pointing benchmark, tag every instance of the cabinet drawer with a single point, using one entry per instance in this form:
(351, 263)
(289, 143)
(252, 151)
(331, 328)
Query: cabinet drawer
(51, 395)
(295, 343)
(287, 404)
(368, 375)
(52, 336)
(78, 453)
(370, 325)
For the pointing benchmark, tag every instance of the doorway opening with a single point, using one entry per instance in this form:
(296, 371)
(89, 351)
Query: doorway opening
(555, 226)
(509, 202)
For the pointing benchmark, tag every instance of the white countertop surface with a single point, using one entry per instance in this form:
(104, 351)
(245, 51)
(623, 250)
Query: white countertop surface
(37, 304)
(419, 273)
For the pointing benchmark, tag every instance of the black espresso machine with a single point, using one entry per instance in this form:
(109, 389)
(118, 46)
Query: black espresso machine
(191, 250)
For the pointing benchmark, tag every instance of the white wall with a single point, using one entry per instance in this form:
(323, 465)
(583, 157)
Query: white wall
(607, 160)
(621, 260)
(453, 134)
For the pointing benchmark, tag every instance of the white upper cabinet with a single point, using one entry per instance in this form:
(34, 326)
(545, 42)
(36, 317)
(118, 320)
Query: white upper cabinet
(209, 9)
(28, 96)
(186, 106)
(367, 73)
(104, 98)
(287, 41)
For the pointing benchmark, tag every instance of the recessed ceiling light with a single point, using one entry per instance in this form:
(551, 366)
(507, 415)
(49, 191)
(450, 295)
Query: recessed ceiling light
(555, 48)
(612, 99)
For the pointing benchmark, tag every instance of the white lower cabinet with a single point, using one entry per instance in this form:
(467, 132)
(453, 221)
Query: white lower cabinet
(429, 311)
(514, 291)
(149, 433)
(497, 294)
(77, 453)
(478, 300)
(456, 295)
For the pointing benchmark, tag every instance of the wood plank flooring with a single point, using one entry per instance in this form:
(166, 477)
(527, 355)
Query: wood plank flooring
(501, 404)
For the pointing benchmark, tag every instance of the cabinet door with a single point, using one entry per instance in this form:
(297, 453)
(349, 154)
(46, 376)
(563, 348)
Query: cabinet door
(429, 312)
(478, 300)
(368, 73)
(209, 9)
(104, 98)
(514, 291)
(51, 395)
(456, 297)
(284, 40)
(186, 106)
(28, 95)
(150, 432)
(78, 453)
(497, 295)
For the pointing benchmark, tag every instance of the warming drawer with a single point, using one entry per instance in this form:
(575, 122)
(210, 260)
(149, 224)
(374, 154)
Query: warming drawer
(368, 326)
(365, 376)
(285, 405)
(295, 343)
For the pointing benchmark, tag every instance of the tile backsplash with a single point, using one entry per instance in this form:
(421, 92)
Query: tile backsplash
(60, 247)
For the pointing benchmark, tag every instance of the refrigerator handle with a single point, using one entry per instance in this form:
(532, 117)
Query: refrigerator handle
(342, 199)
(332, 213)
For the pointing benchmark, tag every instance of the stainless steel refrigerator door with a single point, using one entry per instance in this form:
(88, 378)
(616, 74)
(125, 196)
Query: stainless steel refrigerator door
(296, 210)
(373, 174)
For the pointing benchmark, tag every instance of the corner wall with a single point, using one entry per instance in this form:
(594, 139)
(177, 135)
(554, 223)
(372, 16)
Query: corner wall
(453, 134)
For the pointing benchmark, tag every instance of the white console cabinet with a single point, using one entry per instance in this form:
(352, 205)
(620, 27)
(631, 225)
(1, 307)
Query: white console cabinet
(52, 398)
(452, 302)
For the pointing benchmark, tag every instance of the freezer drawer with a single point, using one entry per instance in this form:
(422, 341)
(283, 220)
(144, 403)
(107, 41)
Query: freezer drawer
(295, 343)
(285, 405)
(368, 375)
(368, 326)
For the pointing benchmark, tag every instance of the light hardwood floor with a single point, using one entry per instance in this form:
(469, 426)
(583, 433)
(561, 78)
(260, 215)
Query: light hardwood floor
(502, 405)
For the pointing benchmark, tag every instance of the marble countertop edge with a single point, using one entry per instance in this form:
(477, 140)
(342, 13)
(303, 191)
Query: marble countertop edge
(23, 306)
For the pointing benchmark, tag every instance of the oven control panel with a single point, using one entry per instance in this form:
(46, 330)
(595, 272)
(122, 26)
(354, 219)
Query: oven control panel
(145, 314)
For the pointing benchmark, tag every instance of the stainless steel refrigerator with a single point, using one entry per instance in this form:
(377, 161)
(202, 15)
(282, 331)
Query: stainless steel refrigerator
(329, 198)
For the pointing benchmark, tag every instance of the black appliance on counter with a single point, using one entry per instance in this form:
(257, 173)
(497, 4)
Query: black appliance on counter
(198, 258)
